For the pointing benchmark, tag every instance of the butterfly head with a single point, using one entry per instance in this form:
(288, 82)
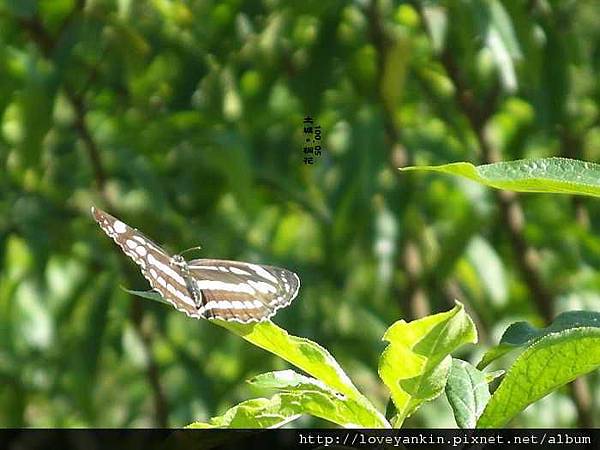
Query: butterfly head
(179, 261)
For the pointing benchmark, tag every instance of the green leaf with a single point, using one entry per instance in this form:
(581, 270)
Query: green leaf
(555, 175)
(301, 352)
(468, 393)
(287, 380)
(283, 408)
(415, 365)
(521, 334)
(317, 399)
(548, 364)
(255, 413)
(150, 295)
(306, 355)
(346, 412)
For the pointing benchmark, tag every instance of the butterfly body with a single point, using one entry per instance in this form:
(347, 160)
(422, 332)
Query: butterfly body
(205, 288)
(180, 262)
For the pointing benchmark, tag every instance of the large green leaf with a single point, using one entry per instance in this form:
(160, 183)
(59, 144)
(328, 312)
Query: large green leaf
(546, 365)
(521, 334)
(283, 408)
(301, 352)
(304, 354)
(313, 397)
(300, 395)
(416, 364)
(468, 393)
(556, 175)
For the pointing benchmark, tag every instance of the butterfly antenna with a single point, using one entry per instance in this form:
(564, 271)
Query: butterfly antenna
(199, 247)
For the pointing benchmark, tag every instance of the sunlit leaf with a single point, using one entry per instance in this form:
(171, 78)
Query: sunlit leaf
(282, 408)
(303, 353)
(315, 398)
(549, 363)
(306, 355)
(416, 363)
(556, 175)
(255, 413)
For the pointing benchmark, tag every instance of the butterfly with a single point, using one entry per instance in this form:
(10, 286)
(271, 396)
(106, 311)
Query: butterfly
(205, 288)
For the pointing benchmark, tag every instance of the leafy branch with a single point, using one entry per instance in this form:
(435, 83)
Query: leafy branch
(417, 365)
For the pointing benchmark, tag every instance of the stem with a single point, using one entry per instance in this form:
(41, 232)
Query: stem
(88, 142)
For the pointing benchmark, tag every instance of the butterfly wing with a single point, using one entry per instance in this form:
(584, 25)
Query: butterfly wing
(154, 262)
(242, 292)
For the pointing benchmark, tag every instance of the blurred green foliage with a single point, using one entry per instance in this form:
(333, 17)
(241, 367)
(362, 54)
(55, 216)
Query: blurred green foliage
(184, 118)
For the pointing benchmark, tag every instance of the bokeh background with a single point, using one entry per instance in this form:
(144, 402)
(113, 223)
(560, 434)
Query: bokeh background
(184, 119)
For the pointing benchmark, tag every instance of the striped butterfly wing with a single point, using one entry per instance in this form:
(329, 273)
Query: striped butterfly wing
(208, 288)
(155, 264)
(242, 292)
